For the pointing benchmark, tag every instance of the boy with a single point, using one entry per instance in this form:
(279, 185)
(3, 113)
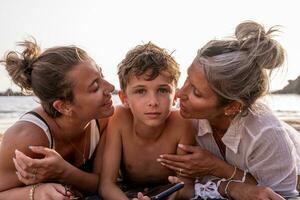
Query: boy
(145, 126)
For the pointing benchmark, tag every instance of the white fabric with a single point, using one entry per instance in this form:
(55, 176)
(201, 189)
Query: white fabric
(94, 139)
(209, 190)
(35, 120)
(261, 144)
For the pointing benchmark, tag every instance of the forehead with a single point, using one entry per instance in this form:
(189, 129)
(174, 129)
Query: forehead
(83, 74)
(198, 79)
(163, 78)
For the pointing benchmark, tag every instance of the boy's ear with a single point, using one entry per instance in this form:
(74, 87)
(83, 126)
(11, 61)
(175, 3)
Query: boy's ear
(175, 97)
(63, 107)
(123, 98)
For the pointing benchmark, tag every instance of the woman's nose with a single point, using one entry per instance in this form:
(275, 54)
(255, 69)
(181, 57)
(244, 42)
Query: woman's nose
(108, 87)
(182, 92)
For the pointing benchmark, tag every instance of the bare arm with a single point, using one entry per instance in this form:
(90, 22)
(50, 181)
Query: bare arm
(111, 161)
(187, 136)
(17, 137)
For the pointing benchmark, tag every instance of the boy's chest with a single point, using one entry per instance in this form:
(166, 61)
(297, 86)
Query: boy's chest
(140, 160)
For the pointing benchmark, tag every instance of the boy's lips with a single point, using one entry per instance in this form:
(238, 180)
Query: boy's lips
(152, 114)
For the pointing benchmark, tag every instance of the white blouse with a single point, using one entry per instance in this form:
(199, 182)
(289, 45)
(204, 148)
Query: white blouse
(262, 144)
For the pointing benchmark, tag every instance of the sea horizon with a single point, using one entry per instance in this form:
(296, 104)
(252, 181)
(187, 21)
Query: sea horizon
(285, 106)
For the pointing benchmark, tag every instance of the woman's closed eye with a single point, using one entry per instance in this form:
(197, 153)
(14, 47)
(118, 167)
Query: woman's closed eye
(95, 87)
(196, 92)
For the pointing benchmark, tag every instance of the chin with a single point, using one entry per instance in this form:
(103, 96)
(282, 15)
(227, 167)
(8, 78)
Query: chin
(107, 113)
(185, 114)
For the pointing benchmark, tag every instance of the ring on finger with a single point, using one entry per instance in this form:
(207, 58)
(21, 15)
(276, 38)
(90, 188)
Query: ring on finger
(67, 189)
(34, 172)
(180, 171)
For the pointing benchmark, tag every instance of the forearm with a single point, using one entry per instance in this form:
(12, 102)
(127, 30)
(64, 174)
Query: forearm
(83, 181)
(19, 193)
(110, 191)
(186, 193)
(227, 171)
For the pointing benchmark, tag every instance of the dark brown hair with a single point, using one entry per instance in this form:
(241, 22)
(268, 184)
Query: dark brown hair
(147, 59)
(45, 73)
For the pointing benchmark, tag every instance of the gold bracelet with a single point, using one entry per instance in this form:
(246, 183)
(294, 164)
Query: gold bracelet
(233, 174)
(31, 192)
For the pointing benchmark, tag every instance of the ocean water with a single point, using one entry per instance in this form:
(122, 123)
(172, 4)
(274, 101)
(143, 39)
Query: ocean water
(286, 107)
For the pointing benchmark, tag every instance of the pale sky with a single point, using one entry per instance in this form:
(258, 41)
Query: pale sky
(108, 29)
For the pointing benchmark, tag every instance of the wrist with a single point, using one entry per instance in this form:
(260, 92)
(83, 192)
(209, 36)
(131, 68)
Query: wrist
(222, 170)
(65, 172)
(32, 191)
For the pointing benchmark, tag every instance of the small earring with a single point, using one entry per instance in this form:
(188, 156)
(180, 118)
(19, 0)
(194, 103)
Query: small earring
(226, 113)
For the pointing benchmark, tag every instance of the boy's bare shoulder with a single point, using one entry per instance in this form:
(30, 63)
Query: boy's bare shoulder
(176, 118)
(121, 115)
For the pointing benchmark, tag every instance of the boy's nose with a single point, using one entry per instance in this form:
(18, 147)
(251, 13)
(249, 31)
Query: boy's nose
(152, 101)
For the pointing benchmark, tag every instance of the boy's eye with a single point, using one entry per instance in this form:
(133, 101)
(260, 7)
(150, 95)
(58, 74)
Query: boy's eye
(140, 91)
(163, 90)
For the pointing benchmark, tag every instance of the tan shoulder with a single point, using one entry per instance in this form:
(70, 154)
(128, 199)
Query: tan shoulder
(183, 128)
(23, 134)
(122, 114)
(176, 118)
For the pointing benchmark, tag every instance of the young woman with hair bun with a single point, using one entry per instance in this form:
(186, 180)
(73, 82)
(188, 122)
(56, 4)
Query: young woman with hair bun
(65, 129)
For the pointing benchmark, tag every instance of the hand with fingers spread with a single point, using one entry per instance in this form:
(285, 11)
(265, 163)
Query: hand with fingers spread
(31, 171)
(196, 163)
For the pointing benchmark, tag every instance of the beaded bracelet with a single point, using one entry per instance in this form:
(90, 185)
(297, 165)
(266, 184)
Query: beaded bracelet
(31, 192)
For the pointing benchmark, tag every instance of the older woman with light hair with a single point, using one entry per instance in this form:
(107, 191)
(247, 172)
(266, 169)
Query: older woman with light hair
(244, 150)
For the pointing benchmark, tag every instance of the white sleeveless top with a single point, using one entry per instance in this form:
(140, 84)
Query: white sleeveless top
(94, 139)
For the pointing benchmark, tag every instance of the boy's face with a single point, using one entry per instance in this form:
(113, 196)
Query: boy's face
(150, 101)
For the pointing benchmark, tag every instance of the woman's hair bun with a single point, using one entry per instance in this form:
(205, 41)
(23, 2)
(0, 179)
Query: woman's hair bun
(262, 49)
(20, 65)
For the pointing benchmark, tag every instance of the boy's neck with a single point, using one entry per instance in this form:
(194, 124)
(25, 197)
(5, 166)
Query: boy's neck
(143, 131)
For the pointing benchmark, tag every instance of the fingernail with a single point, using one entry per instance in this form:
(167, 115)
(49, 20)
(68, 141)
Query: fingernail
(158, 160)
(162, 156)
(30, 147)
(180, 145)
(16, 151)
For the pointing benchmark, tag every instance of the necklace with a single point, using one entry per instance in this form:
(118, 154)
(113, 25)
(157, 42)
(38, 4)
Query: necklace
(78, 151)
(82, 154)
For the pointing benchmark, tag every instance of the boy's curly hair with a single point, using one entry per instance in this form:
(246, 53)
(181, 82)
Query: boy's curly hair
(147, 59)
